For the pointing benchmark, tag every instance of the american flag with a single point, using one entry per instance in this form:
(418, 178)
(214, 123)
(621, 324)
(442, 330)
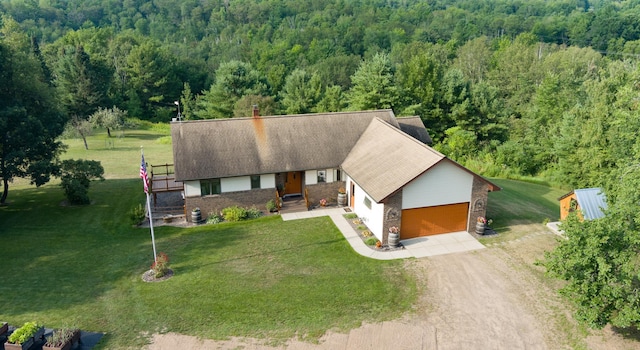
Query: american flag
(143, 175)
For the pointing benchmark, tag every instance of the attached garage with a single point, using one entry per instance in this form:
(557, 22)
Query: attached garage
(434, 220)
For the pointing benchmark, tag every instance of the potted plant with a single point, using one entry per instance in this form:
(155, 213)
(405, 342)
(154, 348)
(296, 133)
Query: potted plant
(394, 237)
(323, 202)
(481, 225)
(24, 337)
(342, 197)
(62, 339)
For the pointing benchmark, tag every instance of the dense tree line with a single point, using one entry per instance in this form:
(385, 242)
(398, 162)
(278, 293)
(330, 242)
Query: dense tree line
(505, 87)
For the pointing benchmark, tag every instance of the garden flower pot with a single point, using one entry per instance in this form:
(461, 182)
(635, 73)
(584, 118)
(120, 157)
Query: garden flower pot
(393, 239)
(28, 343)
(67, 345)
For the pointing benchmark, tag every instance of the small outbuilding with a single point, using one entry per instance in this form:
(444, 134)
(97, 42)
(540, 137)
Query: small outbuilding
(590, 203)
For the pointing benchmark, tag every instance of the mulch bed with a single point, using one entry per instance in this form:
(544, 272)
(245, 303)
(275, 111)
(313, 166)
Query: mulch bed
(150, 276)
(384, 248)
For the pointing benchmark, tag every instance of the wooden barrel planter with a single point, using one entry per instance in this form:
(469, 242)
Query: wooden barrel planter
(196, 216)
(342, 199)
(480, 227)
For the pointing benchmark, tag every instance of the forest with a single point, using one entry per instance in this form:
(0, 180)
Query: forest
(509, 88)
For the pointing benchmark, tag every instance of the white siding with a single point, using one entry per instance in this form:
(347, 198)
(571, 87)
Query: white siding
(331, 175)
(373, 217)
(445, 183)
(310, 177)
(268, 181)
(192, 188)
(232, 184)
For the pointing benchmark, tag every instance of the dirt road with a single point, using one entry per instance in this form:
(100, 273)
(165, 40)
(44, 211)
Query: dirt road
(488, 299)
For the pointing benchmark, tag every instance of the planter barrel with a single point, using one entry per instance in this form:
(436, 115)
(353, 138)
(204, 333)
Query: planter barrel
(196, 216)
(480, 227)
(393, 240)
(342, 199)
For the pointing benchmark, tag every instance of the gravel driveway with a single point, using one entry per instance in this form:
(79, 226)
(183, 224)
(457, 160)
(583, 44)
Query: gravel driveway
(494, 298)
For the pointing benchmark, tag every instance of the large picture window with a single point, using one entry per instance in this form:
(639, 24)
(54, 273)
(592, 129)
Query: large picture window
(209, 187)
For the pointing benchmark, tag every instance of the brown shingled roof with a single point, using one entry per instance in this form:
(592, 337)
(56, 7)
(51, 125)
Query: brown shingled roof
(245, 146)
(415, 127)
(385, 159)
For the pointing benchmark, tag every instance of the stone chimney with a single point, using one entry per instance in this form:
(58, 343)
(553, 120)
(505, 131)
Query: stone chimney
(256, 111)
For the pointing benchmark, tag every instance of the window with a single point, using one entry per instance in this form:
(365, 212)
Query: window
(209, 187)
(322, 176)
(367, 202)
(255, 181)
(338, 175)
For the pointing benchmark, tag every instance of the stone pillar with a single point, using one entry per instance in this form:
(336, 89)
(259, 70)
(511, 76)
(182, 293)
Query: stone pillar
(392, 215)
(479, 195)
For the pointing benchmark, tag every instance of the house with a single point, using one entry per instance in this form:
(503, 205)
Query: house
(392, 177)
(588, 202)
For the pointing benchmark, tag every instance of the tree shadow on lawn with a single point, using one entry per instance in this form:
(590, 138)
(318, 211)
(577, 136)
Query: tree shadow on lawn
(56, 257)
(632, 333)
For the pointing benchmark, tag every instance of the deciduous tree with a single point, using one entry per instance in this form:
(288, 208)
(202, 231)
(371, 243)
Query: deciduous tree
(30, 121)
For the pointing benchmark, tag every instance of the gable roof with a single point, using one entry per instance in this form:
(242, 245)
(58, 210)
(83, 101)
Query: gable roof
(219, 148)
(385, 159)
(591, 201)
(415, 127)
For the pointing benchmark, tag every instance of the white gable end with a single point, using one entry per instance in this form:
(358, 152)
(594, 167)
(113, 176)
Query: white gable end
(444, 183)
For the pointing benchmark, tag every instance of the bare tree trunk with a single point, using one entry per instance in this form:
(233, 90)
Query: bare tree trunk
(5, 190)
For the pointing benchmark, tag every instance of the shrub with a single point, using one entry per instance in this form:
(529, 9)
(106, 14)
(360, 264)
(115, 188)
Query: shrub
(214, 218)
(361, 227)
(367, 233)
(234, 213)
(271, 206)
(137, 214)
(160, 266)
(253, 213)
(351, 216)
(75, 177)
(371, 241)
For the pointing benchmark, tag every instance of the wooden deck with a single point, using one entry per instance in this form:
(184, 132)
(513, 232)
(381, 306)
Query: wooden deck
(163, 179)
(165, 183)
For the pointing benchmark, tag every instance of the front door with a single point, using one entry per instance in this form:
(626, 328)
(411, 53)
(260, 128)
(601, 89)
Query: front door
(293, 184)
(352, 195)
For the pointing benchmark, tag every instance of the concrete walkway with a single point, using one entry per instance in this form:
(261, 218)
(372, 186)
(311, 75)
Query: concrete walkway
(415, 247)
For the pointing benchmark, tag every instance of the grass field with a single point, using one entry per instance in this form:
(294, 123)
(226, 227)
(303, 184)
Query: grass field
(82, 265)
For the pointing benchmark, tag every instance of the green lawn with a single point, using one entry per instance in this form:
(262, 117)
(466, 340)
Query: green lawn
(521, 204)
(82, 265)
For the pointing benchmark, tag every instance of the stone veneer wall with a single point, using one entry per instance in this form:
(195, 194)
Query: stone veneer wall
(258, 198)
(479, 195)
(214, 204)
(392, 215)
(328, 191)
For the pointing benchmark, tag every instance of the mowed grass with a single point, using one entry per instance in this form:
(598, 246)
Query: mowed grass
(82, 265)
(521, 207)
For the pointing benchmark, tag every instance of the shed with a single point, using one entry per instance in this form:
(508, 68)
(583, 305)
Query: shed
(589, 202)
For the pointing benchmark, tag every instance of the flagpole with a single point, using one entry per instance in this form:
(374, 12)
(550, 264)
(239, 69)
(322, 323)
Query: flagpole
(153, 239)
(145, 178)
